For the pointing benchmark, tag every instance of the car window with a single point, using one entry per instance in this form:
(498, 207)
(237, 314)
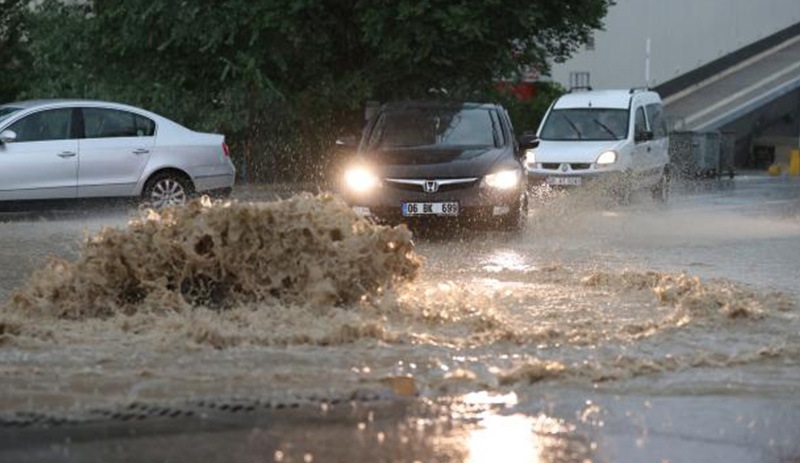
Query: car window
(52, 124)
(497, 127)
(591, 124)
(110, 123)
(410, 127)
(7, 111)
(655, 112)
(641, 122)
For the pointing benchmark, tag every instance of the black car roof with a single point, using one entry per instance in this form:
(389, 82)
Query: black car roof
(438, 104)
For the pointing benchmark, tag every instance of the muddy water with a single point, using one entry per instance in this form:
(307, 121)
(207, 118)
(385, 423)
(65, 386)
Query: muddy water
(695, 299)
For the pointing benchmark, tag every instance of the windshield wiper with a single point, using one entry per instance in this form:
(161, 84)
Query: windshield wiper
(574, 127)
(605, 127)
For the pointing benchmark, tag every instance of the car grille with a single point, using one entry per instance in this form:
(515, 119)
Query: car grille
(573, 165)
(443, 185)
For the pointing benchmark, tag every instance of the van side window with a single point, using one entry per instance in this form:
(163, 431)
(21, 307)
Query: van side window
(641, 122)
(655, 112)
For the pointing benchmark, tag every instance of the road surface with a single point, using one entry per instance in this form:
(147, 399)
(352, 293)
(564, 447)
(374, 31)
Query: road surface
(601, 333)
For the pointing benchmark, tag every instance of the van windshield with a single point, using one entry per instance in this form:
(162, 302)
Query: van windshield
(588, 124)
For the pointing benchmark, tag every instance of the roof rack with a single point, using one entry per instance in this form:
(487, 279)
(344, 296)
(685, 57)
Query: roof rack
(639, 89)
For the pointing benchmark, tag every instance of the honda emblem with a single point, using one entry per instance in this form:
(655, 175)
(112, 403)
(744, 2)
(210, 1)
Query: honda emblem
(430, 186)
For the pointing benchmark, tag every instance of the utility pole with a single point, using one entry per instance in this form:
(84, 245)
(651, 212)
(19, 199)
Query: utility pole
(647, 63)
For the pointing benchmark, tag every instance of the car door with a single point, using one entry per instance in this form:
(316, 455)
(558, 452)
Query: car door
(42, 162)
(659, 154)
(113, 151)
(641, 149)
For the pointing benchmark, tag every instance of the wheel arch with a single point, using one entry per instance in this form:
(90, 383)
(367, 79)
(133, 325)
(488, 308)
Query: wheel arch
(166, 170)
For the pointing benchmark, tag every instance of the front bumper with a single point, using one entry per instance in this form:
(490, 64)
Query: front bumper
(476, 203)
(557, 178)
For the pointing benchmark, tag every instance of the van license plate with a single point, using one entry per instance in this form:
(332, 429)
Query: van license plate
(563, 180)
(415, 209)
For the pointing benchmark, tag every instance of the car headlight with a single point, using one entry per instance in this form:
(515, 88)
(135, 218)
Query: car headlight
(607, 157)
(360, 179)
(530, 159)
(503, 180)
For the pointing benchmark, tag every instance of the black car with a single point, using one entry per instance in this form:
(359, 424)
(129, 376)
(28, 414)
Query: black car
(436, 162)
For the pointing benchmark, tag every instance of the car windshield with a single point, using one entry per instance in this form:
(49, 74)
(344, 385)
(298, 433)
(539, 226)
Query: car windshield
(6, 111)
(586, 124)
(414, 127)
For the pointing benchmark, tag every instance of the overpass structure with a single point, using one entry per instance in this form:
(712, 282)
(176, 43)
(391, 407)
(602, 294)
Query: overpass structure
(756, 99)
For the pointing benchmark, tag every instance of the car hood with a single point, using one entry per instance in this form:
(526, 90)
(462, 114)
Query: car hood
(574, 151)
(441, 162)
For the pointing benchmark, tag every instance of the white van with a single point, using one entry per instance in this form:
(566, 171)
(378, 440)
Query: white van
(620, 135)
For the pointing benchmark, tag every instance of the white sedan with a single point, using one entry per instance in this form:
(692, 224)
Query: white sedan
(68, 149)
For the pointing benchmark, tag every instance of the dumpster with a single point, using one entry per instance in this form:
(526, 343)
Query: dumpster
(700, 155)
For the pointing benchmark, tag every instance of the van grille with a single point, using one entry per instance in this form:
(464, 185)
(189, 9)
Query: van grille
(573, 165)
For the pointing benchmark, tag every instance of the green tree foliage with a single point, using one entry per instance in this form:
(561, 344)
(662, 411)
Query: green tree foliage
(13, 56)
(282, 77)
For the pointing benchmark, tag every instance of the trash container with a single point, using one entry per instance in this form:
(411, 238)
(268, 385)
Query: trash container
(697, 155)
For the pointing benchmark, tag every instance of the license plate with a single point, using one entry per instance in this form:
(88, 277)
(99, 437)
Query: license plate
(414, 209)
(563, 180)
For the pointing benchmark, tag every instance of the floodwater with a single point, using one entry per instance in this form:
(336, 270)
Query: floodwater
(601, 333)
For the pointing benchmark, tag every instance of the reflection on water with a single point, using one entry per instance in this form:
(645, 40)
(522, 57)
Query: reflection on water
(505, 438)
(521, 438)
(499, 435)
(505, 259)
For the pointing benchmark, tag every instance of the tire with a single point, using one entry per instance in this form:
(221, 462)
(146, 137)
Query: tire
(622, 188)
(167, 189)
(517, 216)
(661, 189)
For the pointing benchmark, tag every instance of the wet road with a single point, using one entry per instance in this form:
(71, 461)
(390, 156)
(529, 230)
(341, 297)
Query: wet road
(602, 333)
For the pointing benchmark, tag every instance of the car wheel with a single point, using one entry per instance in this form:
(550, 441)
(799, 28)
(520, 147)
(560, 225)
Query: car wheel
(623, 189)
(517, 216)
(661, 189)
(167, 189)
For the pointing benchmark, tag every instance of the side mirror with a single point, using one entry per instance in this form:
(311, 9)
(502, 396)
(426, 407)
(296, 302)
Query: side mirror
(8, 136)
(643, 135)
(527, 141)
(347, 141)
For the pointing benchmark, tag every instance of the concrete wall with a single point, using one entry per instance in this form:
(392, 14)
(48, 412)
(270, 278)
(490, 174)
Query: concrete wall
(684, 35)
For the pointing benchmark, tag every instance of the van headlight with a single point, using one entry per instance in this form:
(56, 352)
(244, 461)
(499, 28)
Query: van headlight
(530, 159)
(606, 158)
(503, 180)
(360, 179)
